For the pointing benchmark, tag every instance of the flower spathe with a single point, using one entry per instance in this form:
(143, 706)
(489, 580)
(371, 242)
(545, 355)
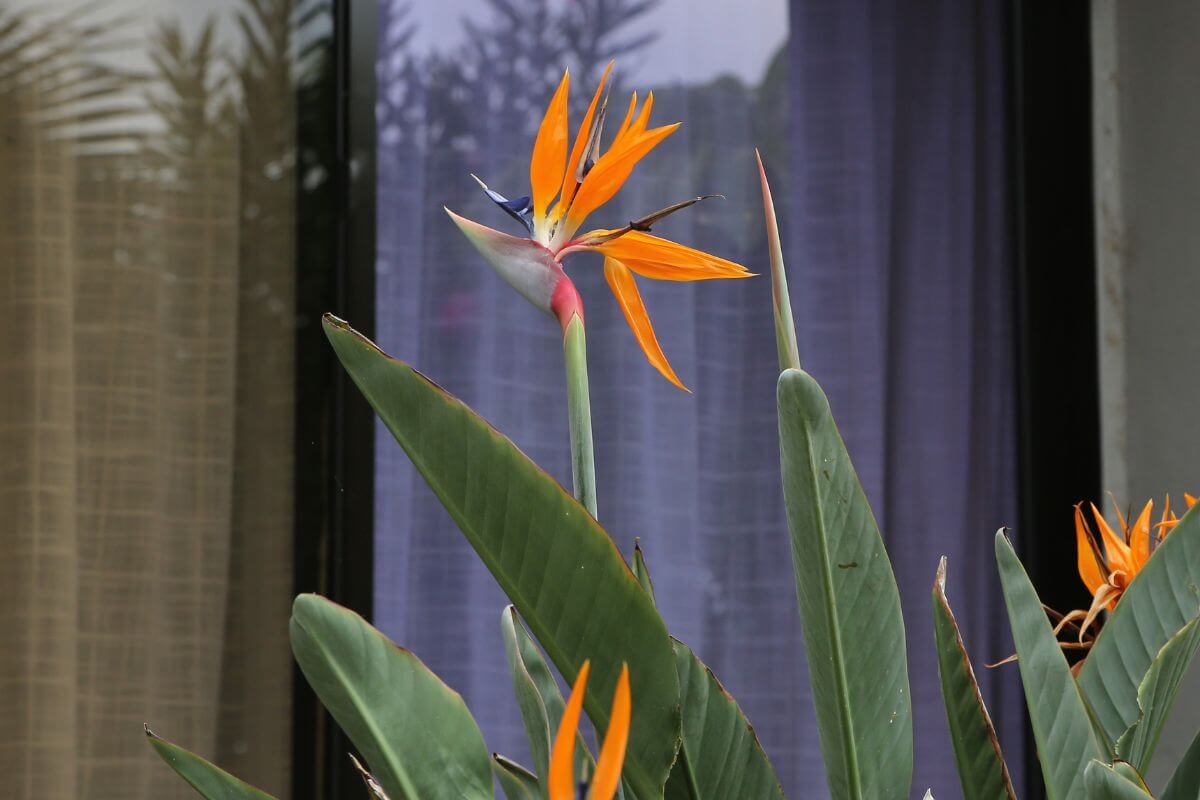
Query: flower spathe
(561, 780)
(566, 187)
(1108, 564)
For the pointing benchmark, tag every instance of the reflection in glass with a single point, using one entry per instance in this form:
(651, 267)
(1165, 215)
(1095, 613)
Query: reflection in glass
(147, 259)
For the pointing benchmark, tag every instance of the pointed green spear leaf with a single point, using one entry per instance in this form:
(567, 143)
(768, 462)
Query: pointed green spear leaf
(556, 564)
(1065, 741)
(849, 604)
(785, 329)
(517, 782)
(415, 732)
(210, 781)
(981, 767)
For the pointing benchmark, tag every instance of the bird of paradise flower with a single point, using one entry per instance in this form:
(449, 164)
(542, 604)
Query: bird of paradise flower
(566, 187)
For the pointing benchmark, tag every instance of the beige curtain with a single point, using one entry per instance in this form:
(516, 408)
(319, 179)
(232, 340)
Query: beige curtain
(146, 355)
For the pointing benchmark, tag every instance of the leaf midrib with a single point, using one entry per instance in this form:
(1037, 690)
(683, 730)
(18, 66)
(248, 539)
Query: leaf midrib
(831, 620)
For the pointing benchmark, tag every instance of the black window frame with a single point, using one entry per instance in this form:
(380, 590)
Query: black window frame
(1059, 457)
(334, 433)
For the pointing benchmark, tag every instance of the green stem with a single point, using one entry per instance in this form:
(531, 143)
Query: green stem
(579, 405)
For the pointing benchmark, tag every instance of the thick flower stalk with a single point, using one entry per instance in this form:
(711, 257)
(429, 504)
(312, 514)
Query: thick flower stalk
(562, 782)
(566, 187)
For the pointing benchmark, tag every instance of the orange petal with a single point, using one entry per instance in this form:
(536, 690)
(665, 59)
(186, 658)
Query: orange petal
(1139, 539)
(643, 117)
(628, 119)
(1120, 517)
(1114, 547)
(548, 163)
(621, 281)
(1106, 597)
(561, 777)
(1189, 499)
(612, 754)
(585, 127)
(609, 174)
(1090, 569)
(661, 259)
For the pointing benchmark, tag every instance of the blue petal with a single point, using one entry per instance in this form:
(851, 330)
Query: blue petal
(520, 209)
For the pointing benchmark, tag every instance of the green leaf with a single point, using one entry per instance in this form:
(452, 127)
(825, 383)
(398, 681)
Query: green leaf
(418, 738)
(1156, 695)
(1158, 603)
(1185, 783)
(785, 329)
(849, 604)
(640, 571)
(209, 780)
(721, 756)
(517, 782)
(1104, 783)
(1065, 740)
(538, 697)
(557, 565)
(981, 767)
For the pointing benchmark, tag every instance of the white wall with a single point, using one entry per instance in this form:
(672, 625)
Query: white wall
(1147, 126)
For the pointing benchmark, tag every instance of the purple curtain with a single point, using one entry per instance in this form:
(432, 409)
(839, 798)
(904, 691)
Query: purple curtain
(882, 125)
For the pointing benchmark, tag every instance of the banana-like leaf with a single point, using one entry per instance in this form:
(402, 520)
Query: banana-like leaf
(1065, 739)
(722, 757)
(418, 738)
(1185, 783)
(560, 569)
(517, 782)
(981, 767)
(1158, 603)
(1105, 783)
(849, 604)
(785, 329)
(209, 781)
(1156, 695)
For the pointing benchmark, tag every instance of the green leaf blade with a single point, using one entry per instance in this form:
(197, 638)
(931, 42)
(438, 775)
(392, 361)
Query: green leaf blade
(210, 781)
(1163, 598)
(1156, 695)
(557, 565)
(723, 756)
(981, 767)
(415, 732)
(1061, 727)
(1185, 782)
(849, 604)
(517, 782)
(1104, 783)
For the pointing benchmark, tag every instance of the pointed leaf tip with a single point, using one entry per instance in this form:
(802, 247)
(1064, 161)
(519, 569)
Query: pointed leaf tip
(785, 328)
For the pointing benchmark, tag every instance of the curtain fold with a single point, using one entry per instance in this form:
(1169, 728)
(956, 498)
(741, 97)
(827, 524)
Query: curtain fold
(146, 296)
(903, 275)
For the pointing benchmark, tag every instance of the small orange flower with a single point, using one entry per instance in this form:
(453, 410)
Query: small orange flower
(566, 187)
(561, 781)
(1109, 564)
